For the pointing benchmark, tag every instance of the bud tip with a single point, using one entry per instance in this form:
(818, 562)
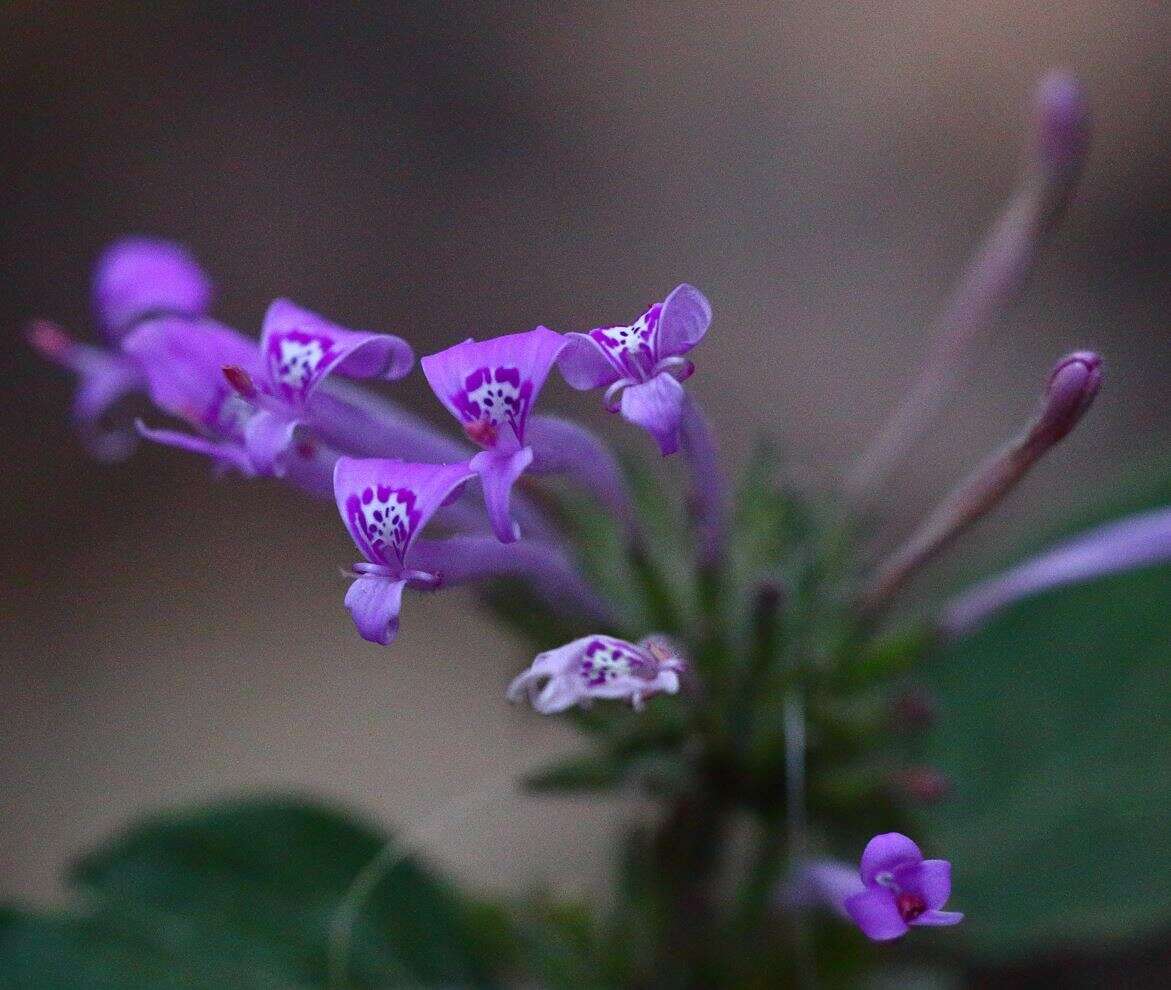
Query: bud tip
(1062, 121)
(240, 380)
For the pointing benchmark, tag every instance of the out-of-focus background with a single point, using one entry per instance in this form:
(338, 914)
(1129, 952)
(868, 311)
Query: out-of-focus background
(820, 170)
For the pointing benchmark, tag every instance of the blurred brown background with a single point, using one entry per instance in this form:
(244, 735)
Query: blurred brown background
(820, 170)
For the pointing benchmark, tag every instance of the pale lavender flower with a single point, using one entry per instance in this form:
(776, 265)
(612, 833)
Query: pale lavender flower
(490, 387)
(598, 667)
(1127, 544)
(641, 365)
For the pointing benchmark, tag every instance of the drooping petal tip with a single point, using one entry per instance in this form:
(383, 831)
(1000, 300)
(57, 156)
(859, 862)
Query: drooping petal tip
(374, 602)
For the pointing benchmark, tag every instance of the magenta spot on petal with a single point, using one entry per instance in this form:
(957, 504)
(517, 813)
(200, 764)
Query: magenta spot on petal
(367, 496)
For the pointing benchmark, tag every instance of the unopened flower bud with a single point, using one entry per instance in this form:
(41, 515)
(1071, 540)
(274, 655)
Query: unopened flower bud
(1073, 385)
(923, 785)
(48, 339)
(1062, 123)
(913, 710)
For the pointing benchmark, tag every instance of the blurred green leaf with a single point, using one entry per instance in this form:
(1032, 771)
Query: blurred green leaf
(1053, 726)
(242, 895)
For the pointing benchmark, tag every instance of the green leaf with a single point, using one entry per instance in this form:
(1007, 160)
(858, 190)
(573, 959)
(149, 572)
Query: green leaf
(243, 894)
(1053, 727)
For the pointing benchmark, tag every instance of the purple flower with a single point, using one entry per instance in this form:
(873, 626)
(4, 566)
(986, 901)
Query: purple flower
(298, 351)
(182, 362)
(135, 278)
(641, 365)
(598, 667)
(490, 387)
(898, 888)
(385, 504)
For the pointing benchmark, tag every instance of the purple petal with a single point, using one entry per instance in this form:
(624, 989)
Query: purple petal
(656, 406)
(362, 424)
(223, 453)
(104, 377)
(885, 852)
(268, 437)
(386, 503)
(183, 361)
(493, 384)
(583, 363)
(875, 912)
(1130, 543)
(301, 348)
(140, 276)
(551, 664)
(498, 473)
(930, 879)
(374, 601)
(939, 919)
(830, 883)
(685, 318)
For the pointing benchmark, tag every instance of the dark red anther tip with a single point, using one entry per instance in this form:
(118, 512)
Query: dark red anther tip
(910, 906)
(48, 339)
(240, 380)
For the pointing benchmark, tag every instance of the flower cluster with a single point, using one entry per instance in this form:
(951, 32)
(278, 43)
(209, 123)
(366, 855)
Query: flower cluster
(291, 405)
(283, 408)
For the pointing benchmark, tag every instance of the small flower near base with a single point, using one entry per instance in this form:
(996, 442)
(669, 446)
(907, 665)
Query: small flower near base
(899, 889)
(598, 667)
(641, 365)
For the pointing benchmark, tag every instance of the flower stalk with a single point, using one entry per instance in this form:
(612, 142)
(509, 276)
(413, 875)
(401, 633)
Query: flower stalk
(1071, 389)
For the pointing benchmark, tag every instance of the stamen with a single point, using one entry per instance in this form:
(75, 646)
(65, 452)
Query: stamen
(613, 392)
(240, 381)
(678, 367)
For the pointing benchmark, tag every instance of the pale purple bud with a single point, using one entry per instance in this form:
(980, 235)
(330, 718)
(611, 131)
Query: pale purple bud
(1069, 392)
(995, 275)
(1073, 386)
(1062, 124)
